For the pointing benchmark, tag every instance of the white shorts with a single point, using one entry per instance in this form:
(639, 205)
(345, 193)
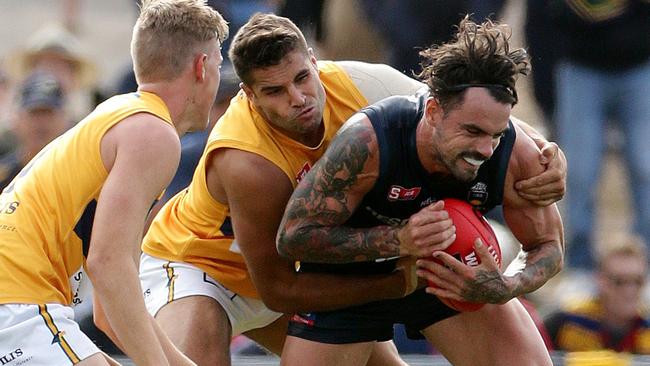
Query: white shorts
(164, 281)
(35, 335)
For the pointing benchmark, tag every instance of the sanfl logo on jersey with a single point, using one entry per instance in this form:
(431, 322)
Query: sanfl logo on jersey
(303, 171)
(399, 193)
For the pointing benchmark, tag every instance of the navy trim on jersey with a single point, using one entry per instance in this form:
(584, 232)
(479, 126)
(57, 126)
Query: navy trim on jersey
(84, 226)
(226, 227)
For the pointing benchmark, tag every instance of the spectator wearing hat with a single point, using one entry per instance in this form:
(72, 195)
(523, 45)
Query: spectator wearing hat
(53, 49)
(40, 118)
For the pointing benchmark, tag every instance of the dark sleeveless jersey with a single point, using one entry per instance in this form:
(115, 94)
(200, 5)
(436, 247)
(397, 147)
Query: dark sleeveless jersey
(404, 187)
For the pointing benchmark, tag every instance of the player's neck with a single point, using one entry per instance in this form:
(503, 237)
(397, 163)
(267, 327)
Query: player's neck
(175, 96)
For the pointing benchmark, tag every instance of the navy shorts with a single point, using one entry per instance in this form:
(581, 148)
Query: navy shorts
(371, 322)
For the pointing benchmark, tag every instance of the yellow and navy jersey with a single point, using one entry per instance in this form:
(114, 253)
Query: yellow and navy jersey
(195, 228)
(580, 327)
(47, 211)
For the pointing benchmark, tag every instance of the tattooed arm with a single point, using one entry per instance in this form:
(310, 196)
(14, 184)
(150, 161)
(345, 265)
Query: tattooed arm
(539, 229)
(257, 192)
(312, 229)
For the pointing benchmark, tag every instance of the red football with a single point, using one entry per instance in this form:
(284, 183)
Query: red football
(470, 224)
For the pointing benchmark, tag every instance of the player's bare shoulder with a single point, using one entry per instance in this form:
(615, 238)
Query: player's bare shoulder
(242, 163)
(141, 135)
(238, 173)
(378, 81)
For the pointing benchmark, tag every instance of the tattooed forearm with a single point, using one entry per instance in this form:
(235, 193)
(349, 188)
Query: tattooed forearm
(343, 245)
(313, 226)
(492, 287)
(542, 263)
(487, 287)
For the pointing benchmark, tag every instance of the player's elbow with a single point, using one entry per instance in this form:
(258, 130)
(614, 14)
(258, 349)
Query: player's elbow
(103, 267)
(101, 323)
(98, 265)
(282, 247)
(94, 265)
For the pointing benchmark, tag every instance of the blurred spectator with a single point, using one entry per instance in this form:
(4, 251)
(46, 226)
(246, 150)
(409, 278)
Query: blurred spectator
(603, 71)
(601, 358)
(236, 12)
(543, 49)
(483, 9)
(409, 26)
(4, 89)
(241, 10)
(6, 138)
(70, 10)
(54, 49)
(223, 7)
(40, 119)
(308, 16)
(612, 318)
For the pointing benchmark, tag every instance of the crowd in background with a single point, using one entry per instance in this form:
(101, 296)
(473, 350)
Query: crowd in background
(591, 82)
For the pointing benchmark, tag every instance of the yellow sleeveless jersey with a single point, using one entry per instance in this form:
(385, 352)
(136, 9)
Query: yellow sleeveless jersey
(47, 211)
(194, 228)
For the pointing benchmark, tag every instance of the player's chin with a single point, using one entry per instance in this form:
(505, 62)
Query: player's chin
(466, 174)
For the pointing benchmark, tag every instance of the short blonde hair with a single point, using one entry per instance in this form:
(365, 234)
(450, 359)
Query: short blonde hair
(170, 32)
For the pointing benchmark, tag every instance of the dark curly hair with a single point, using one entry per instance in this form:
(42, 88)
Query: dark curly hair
(478, 55)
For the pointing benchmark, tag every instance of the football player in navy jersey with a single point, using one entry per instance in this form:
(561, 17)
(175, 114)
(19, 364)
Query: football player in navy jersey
(393, 163)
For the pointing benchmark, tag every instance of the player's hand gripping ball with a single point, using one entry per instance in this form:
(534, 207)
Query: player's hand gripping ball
(470, 224)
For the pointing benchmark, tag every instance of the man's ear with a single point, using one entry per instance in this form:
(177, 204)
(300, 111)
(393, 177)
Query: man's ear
(433, 112)
(312, 57)
(247, 90)
(199, 66)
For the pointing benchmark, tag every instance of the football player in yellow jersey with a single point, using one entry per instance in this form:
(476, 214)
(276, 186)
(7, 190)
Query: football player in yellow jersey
(210, 268)
(80, 205)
